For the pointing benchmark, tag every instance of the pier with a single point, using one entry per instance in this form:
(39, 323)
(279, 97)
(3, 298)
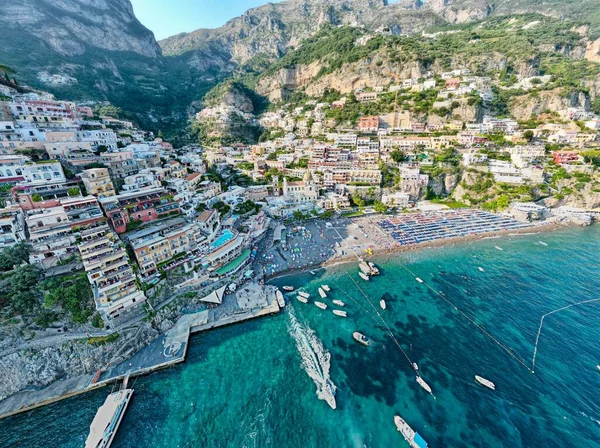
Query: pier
(252, 300)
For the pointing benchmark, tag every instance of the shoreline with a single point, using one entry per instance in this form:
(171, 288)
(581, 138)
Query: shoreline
(442, 242)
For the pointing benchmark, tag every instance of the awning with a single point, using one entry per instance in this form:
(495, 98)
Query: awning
(215, 296)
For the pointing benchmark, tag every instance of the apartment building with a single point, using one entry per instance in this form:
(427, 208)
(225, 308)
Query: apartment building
(97, 182)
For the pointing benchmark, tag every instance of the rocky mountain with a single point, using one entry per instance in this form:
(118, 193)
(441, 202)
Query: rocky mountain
(271, 30)
(71, 27)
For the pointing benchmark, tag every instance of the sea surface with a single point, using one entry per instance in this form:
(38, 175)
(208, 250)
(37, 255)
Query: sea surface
(256, 384)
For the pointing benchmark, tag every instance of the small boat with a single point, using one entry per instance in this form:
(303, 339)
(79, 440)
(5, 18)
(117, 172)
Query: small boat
(423, 384)
(484, 382)
(418, 279)
(542, 243)
(326, 288)
(313, 272)
(304, 294)
(363, 276)
(321, 305)
(288, 288)
(415, 366)
(339, 303)
(280, 300)
(340, 313)
(481, 269)
(598, 366)
(322, 293)
(330, 394)
(382, 304)
(413, 438)
(364, 267)
(498, 247)
(361, 338)
(301, 299)
(374, 269)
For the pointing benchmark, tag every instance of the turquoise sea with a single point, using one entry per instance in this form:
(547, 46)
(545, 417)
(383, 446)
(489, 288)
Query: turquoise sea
(245, 385)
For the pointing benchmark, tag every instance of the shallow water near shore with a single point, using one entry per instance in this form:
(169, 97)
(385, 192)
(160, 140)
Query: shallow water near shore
(244, 385)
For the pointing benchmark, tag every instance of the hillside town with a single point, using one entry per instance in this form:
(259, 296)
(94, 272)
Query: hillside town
(96, 193)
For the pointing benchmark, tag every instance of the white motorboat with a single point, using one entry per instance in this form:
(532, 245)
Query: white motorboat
(418, 279)
(415, 366)
(423, 384)
(542, 243)
(361, 338)
(340, 313)
(322, 293)
(374, 269)
(288, 288)
(279, 297)
(304, 294)
(484, 382)
(481, 269)
(321, 305)
(363, 276)
(326, 288)
(413, 438)
(301, 299)
(339, 303)
(364, 267)
(382, 304)
(498, 247)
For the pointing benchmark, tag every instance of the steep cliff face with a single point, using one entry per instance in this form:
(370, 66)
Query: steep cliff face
(272, 29)
(69, 27)
(524, 106)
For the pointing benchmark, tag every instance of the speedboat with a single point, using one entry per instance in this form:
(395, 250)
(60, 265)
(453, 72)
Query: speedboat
(364, 267)
(498, 247)
(279, 297)
(423, 384)
(542, 243)
(410, 435)
(382, 304)
(330, 393)
(481, 269)
(363, 276)
(322, 293)
(418, 279)
(304, 294)
(484, 382)
(339, 303)
(415, 366)
(321, 305)
(374, 269)
(326, 288)
(340, 313)
(301, 299)
(288, 288)
(361, 338)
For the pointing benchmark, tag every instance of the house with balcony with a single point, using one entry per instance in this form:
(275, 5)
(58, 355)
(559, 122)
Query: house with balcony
(12, 226)
(97, 182)
(109, 272)
(142, 205)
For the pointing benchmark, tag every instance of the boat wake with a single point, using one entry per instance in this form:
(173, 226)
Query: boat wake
(315, 359)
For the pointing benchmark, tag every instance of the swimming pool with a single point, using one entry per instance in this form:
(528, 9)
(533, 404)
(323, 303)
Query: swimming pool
(225, 237)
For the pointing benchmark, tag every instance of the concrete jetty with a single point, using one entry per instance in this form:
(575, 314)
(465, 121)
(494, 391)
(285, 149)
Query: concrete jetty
(252, 300)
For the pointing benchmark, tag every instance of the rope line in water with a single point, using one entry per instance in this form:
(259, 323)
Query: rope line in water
(537, 339)
(479, 326)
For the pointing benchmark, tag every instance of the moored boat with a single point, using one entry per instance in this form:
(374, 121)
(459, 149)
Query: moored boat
(339, 303)
(280, 299)
(301, 299)
(418, 279)
(288, 288)
(364, 267)
(374, 269)
(361, 338)
(413, 438)
(484, 382)
(415, 366)
(382, 304)
(423, 384)
(326, 288)
(107, 420)
(363, 276)
(340, 313)
(304, 294)
(321, 305)
(322, 293)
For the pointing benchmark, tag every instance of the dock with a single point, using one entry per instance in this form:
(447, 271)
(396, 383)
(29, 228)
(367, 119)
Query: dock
(250, 302)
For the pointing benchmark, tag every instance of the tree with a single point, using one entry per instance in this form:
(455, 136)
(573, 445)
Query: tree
(73, 191)
(528, 134)
(380, 207)
(14, 255)
(24, 294)
(298, 215)
(397, 156)
(358, 201)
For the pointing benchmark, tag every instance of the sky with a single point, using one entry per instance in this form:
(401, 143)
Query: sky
(168, 17)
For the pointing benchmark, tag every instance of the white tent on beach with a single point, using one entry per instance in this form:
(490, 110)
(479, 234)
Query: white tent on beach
(215, 296)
